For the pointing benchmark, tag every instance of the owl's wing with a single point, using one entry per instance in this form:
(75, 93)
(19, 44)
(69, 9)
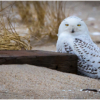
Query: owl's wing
(86, 48)
(64, 47)
(88, 54)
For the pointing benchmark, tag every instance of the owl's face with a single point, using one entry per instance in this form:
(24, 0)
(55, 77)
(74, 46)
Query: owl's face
(73, 25)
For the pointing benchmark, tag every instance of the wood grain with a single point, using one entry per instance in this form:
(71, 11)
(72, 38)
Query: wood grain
(58, 61)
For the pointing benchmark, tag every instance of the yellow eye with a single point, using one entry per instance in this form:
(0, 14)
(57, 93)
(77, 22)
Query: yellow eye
(78, 24)
(67, 24)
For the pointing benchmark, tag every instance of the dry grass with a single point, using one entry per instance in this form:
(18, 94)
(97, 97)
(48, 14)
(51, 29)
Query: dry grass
(42, 18)
(9, 38)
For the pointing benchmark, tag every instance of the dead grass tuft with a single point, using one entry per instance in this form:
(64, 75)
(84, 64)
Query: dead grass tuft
(9, 38)
(42, 18)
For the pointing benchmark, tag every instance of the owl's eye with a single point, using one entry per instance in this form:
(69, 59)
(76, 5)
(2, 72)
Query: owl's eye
(66, 24)
(78, 24)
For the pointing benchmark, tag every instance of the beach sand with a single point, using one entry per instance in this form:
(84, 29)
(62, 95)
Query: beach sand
(32, 82)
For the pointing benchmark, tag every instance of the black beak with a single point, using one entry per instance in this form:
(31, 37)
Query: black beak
(72, 31)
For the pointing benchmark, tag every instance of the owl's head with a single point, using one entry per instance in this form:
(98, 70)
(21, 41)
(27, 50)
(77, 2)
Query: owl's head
(73, 25)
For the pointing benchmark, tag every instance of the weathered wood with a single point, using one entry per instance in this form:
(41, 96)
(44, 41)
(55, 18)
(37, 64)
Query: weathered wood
(58, 61)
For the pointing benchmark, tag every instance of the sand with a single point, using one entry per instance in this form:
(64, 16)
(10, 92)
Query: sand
(28, 81)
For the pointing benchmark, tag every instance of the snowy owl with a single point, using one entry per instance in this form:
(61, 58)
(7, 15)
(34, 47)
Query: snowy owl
(74, 38)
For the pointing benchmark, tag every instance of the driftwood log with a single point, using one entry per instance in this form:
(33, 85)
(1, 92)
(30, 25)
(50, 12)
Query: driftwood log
(58, 61)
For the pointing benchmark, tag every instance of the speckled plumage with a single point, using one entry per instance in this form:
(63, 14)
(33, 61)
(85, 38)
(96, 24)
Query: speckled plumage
(80, 43)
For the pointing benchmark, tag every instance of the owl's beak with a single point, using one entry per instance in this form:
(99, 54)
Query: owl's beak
(72, 31)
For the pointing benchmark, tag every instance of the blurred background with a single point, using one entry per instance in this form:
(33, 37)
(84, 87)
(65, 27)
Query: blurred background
(31, 25)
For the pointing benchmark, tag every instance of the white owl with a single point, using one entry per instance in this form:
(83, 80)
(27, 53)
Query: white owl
(74, 38)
